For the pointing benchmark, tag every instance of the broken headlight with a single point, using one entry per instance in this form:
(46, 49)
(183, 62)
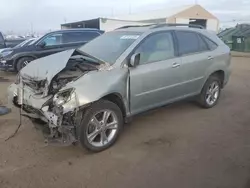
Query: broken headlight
(55, 85)
(63, 97)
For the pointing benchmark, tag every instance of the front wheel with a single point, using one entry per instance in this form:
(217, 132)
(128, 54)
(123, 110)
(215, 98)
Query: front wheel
(210, 93)
(101, 125)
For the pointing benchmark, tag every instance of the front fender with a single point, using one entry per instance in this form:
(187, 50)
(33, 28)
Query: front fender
(97, 84)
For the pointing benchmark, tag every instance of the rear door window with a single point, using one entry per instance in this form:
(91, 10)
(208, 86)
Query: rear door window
(74, 37)
(188, 42)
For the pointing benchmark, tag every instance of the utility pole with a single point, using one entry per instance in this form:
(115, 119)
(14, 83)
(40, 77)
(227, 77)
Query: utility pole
(130, 8)
(31, 28)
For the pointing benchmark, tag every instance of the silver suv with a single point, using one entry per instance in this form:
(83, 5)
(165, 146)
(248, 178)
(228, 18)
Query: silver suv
(87, 94)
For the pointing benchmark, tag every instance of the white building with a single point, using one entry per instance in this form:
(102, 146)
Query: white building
(191, 14)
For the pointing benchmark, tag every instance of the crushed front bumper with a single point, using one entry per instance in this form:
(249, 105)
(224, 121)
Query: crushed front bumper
(59, 128)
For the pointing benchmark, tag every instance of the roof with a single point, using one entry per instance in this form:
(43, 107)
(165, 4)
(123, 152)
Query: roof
(152, 27)
(66, 24)
(225, 32)
(155, 14)
(242, 33)
(97, 19)
(78, 29)
(240, 30)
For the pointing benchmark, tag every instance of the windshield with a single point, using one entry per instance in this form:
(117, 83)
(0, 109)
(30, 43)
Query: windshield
(109, 46)
(35, 40)
(24, 43)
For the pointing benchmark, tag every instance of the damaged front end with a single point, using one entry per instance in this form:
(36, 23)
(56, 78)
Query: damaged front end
(47, 97)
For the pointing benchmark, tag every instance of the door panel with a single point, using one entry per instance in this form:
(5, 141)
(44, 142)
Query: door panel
(154, 84)
(195, 61)
(195, 67)
(156, 81)
(45, 51)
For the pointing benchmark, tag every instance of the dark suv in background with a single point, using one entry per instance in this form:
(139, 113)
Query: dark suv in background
(16, 58)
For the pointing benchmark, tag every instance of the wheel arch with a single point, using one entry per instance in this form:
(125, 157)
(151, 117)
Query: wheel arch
(20, 57)
(118, 100)
(220, 74)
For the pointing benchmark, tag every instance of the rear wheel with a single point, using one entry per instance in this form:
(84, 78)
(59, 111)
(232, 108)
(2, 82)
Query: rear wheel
(101, 125)
(210, 93)
(22, 62)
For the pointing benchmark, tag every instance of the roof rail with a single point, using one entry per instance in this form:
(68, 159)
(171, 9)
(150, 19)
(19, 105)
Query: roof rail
(177, 24)
(128, 26)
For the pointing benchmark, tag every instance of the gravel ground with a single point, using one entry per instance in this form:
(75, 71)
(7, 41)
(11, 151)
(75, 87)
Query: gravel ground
(177, 146)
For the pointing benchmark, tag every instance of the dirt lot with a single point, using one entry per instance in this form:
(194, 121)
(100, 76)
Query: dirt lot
(176, 146)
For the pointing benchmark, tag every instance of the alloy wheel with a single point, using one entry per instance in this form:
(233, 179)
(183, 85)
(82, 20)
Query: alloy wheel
(212, 93)
(25, 63)
(102, 128)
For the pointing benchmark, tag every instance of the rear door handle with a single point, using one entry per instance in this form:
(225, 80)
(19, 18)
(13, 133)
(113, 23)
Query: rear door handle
(209, 57)
(175, 65)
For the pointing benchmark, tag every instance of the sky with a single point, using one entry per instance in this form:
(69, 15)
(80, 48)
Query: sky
(44, 15)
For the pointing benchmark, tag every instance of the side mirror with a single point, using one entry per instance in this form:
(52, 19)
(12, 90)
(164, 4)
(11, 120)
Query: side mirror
(135, 60)
(42, 44)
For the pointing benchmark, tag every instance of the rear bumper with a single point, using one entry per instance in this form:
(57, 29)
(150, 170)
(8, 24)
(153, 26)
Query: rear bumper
(227, 76)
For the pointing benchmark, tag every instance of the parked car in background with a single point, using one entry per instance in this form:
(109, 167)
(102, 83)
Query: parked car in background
(17, 58)
(9, 43)
(85, 95)
(24, 43)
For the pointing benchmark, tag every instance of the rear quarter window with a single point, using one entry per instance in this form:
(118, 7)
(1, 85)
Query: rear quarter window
(211, 45)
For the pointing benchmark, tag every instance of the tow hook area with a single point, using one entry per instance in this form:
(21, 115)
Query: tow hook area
(65, 138)
(61, 129)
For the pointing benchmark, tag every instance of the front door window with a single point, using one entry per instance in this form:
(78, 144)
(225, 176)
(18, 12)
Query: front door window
(158, 47)
(53, 40)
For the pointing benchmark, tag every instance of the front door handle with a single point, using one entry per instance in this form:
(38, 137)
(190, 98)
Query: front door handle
(175, 65)
(209, 57)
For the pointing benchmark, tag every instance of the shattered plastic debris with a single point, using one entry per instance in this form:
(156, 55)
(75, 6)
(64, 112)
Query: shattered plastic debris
(105, 66)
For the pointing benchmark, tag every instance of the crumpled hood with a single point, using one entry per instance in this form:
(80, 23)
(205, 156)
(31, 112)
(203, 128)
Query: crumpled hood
(47, 67)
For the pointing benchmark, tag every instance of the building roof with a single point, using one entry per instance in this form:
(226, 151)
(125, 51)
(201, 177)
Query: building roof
(242, 33)
(241, 30)
(156, 14)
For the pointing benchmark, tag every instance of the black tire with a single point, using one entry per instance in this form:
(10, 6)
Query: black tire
(203, 95)
(22, 62)
(88, 115)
